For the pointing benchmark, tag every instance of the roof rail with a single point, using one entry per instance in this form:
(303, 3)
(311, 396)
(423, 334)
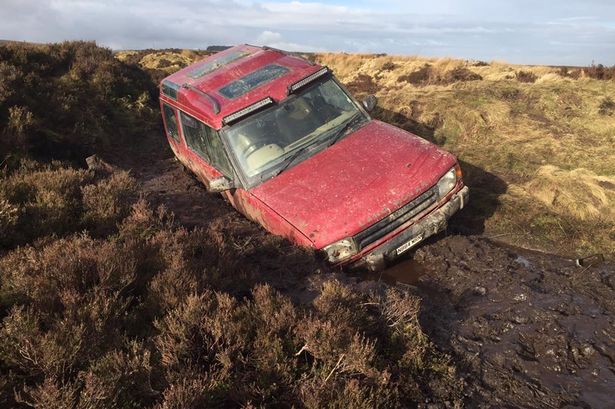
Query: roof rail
(266, 47)
(295, 54)
(212, 100)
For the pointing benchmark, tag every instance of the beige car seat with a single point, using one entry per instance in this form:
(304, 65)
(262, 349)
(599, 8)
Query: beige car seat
(263, 155)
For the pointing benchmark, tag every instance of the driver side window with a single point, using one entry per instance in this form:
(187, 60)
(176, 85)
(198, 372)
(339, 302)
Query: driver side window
(206, 143)
(217, 154)
(195, 134)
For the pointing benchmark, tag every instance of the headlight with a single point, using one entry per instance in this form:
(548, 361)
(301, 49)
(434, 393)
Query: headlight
(447, 183)
(341, 250)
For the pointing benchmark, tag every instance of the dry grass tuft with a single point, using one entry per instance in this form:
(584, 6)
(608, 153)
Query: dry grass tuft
(579, 193)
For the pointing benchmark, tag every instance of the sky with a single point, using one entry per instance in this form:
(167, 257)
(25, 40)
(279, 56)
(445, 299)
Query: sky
(556, 32)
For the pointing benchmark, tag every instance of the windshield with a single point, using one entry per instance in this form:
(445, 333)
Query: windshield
(263, 143)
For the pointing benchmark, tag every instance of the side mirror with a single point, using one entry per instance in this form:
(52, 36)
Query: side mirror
(220, 184)
(370, 102)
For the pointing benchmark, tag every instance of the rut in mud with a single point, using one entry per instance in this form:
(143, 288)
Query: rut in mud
(525, 329)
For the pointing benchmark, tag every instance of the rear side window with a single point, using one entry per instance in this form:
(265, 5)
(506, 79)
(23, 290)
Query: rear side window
(170, 121)
(254, 79)
(205, 142)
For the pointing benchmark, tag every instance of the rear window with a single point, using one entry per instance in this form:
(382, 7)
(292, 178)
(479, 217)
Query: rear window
(217, 63)
(254, 79)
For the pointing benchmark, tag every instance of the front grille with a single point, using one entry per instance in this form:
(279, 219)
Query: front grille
(396, 219)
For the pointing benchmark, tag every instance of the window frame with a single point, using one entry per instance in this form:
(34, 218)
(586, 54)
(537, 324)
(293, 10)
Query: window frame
(213, 133)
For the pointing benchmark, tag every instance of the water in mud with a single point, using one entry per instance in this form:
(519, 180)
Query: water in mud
(407, 271)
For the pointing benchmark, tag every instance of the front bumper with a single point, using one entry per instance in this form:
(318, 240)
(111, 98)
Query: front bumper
(428, 226)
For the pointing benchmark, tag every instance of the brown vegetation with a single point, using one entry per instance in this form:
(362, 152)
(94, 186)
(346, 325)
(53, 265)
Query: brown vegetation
(600, 72)
(106, 302)
(41, 200)
(427, 75)
(142, 318)
(64, 101)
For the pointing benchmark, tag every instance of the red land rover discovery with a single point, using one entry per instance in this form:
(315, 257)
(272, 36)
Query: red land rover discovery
(291, 149)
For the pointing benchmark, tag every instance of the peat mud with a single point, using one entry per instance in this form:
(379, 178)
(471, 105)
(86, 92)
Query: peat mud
(526, 329)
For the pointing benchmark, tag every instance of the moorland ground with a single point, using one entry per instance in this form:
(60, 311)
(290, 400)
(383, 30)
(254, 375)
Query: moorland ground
(125, 284)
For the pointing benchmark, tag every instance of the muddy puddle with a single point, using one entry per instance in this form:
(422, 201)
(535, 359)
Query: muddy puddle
(406, 272)
(526, 329)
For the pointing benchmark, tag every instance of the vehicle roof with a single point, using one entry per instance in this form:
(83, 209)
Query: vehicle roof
(255, 58)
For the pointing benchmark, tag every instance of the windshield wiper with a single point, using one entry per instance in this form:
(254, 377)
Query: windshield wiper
(338, 134)
(344, 128)
(292, 158)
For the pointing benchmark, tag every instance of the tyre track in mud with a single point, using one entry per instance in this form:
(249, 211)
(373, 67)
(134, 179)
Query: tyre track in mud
(525, 329)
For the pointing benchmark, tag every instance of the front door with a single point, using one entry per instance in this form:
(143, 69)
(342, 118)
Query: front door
(205, 153)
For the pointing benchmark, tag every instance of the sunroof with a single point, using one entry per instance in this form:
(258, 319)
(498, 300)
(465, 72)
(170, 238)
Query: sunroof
(253, 80)
(217, 63)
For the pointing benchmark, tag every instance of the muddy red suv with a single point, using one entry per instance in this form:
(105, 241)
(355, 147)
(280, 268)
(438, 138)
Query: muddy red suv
(291, 149)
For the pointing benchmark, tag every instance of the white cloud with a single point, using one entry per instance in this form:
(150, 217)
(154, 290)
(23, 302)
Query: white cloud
(553, 33)
(275, 40)
(268, 37)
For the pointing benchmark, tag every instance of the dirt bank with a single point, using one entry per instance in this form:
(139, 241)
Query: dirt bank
(525, 329)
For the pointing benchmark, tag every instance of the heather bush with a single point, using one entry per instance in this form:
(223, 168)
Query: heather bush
(600, 72)
(147, 318)
(106, 203)
(63, 101)
(41, 200)
(525, 76)
(430, 75)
